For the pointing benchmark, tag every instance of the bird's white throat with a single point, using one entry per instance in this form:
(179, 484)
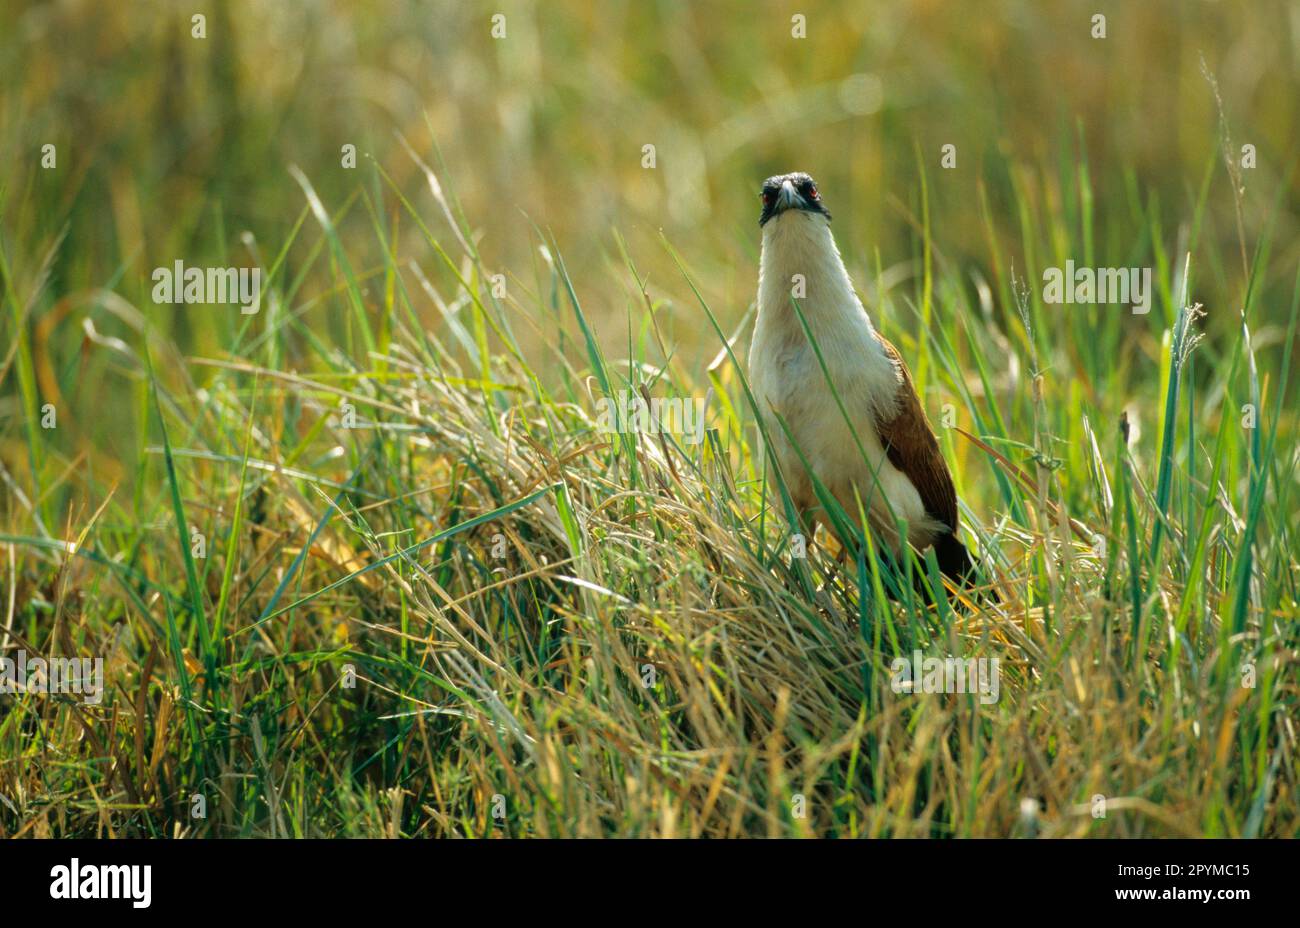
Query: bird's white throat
(801, 264)
(800, 259)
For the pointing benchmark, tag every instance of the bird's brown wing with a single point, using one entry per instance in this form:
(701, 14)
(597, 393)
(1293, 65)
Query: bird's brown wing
(912, 448)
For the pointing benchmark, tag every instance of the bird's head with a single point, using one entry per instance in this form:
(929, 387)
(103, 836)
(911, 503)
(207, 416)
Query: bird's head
(785, 192)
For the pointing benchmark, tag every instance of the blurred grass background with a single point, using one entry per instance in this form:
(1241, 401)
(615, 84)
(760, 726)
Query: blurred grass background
(170, 146)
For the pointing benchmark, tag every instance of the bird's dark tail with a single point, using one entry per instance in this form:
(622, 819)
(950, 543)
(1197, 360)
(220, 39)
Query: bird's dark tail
(955, 562)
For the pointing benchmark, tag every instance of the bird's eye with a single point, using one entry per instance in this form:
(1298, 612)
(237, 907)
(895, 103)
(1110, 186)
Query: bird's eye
(768, 196)
(811, 190)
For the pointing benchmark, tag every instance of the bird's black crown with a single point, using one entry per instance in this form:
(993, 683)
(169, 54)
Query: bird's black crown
(783, 192)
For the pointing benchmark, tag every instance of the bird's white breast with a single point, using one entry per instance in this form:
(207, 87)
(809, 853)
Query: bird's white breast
(788, 380)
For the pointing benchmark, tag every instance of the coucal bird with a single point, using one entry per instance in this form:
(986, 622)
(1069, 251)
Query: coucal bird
(894, 465)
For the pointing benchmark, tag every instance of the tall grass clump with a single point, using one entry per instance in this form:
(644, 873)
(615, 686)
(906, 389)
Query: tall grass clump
(433, 596)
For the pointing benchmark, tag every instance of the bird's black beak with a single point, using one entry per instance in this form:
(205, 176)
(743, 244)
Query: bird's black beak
(786, 198)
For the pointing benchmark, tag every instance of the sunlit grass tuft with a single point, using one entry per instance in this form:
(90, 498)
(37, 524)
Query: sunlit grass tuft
(434, 598)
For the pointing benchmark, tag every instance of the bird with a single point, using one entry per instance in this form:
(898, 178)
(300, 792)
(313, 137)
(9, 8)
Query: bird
(875, 443)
